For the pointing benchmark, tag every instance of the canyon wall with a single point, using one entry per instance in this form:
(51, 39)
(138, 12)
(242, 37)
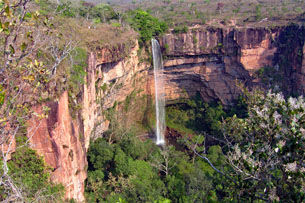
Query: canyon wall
(207, 60)
(213, 60)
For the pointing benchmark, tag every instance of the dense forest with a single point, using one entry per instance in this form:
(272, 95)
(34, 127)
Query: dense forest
(249, 151)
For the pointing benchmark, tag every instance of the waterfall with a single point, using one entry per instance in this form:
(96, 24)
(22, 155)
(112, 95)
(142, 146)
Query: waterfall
(159, 92)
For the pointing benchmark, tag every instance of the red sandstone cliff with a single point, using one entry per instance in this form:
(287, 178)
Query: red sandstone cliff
(64, 141)
(211, 60)
(58, 139)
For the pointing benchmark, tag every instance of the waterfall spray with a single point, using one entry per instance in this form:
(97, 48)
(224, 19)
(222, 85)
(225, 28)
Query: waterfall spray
(159, 92)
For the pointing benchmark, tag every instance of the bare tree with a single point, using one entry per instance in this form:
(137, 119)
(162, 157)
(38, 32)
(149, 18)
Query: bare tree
(163, 162)
(23, 76)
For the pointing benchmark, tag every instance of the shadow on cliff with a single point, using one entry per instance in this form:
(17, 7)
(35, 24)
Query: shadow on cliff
(217, 77)
(289, 58)
(286, 62)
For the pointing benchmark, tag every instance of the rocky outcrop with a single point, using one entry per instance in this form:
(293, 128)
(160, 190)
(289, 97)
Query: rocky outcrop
(111, 82)
(89, 105)
(121, 78)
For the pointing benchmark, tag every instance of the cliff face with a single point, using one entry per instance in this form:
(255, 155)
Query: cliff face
(301, 74)
(59, 139)
(110, 82)
(212, 60)
(64, 141)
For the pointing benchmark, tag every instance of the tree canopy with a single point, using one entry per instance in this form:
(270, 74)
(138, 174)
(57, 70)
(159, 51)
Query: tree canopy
(147, 25)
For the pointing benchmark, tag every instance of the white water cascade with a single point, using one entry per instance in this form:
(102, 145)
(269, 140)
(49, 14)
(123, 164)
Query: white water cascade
(159, 92)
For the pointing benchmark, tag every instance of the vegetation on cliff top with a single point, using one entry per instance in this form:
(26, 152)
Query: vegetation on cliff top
(218, 12)
(147, 25)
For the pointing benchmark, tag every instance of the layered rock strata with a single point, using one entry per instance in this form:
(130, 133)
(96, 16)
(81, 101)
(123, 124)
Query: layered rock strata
(213, 60)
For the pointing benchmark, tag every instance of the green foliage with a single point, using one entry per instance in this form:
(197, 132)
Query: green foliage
(45, 6)
(100, 154)
(175, 187)
(258, 12)
(2, 95)
(129, 99)
(65, 8)
(269, 144)
(115, 24)
(29, 172)
(121, 162)
(195, 116)
(122, 166)
(195, 40)
(104, 87)
(147, 186)
(76, 78)
(236, 10)
(239, 108)
(298, 9)
(77, 72)
(23, 79)
(178, 119)
(147, 25)
(104, 12)
(181, 29)
(264, 140)
(163, 201)
(136, 171)
(99, 13)
(271, 77)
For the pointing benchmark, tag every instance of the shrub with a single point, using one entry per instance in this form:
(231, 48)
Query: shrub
(195, 40)
(2, 95)
(180, 29)
(147, 25)
(258, 12)
(166, 47)
(195, 116)
(28, 170)
(118, 170)
(65, 8)
(269, 144)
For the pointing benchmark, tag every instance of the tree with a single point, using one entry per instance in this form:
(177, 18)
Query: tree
(65, 8)
(163, 161)
(121, 15)
(266, 150)
(31, 176)
(104, 12)
(24, 75)
(147, 25)
(85, 9)
(219, 7)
